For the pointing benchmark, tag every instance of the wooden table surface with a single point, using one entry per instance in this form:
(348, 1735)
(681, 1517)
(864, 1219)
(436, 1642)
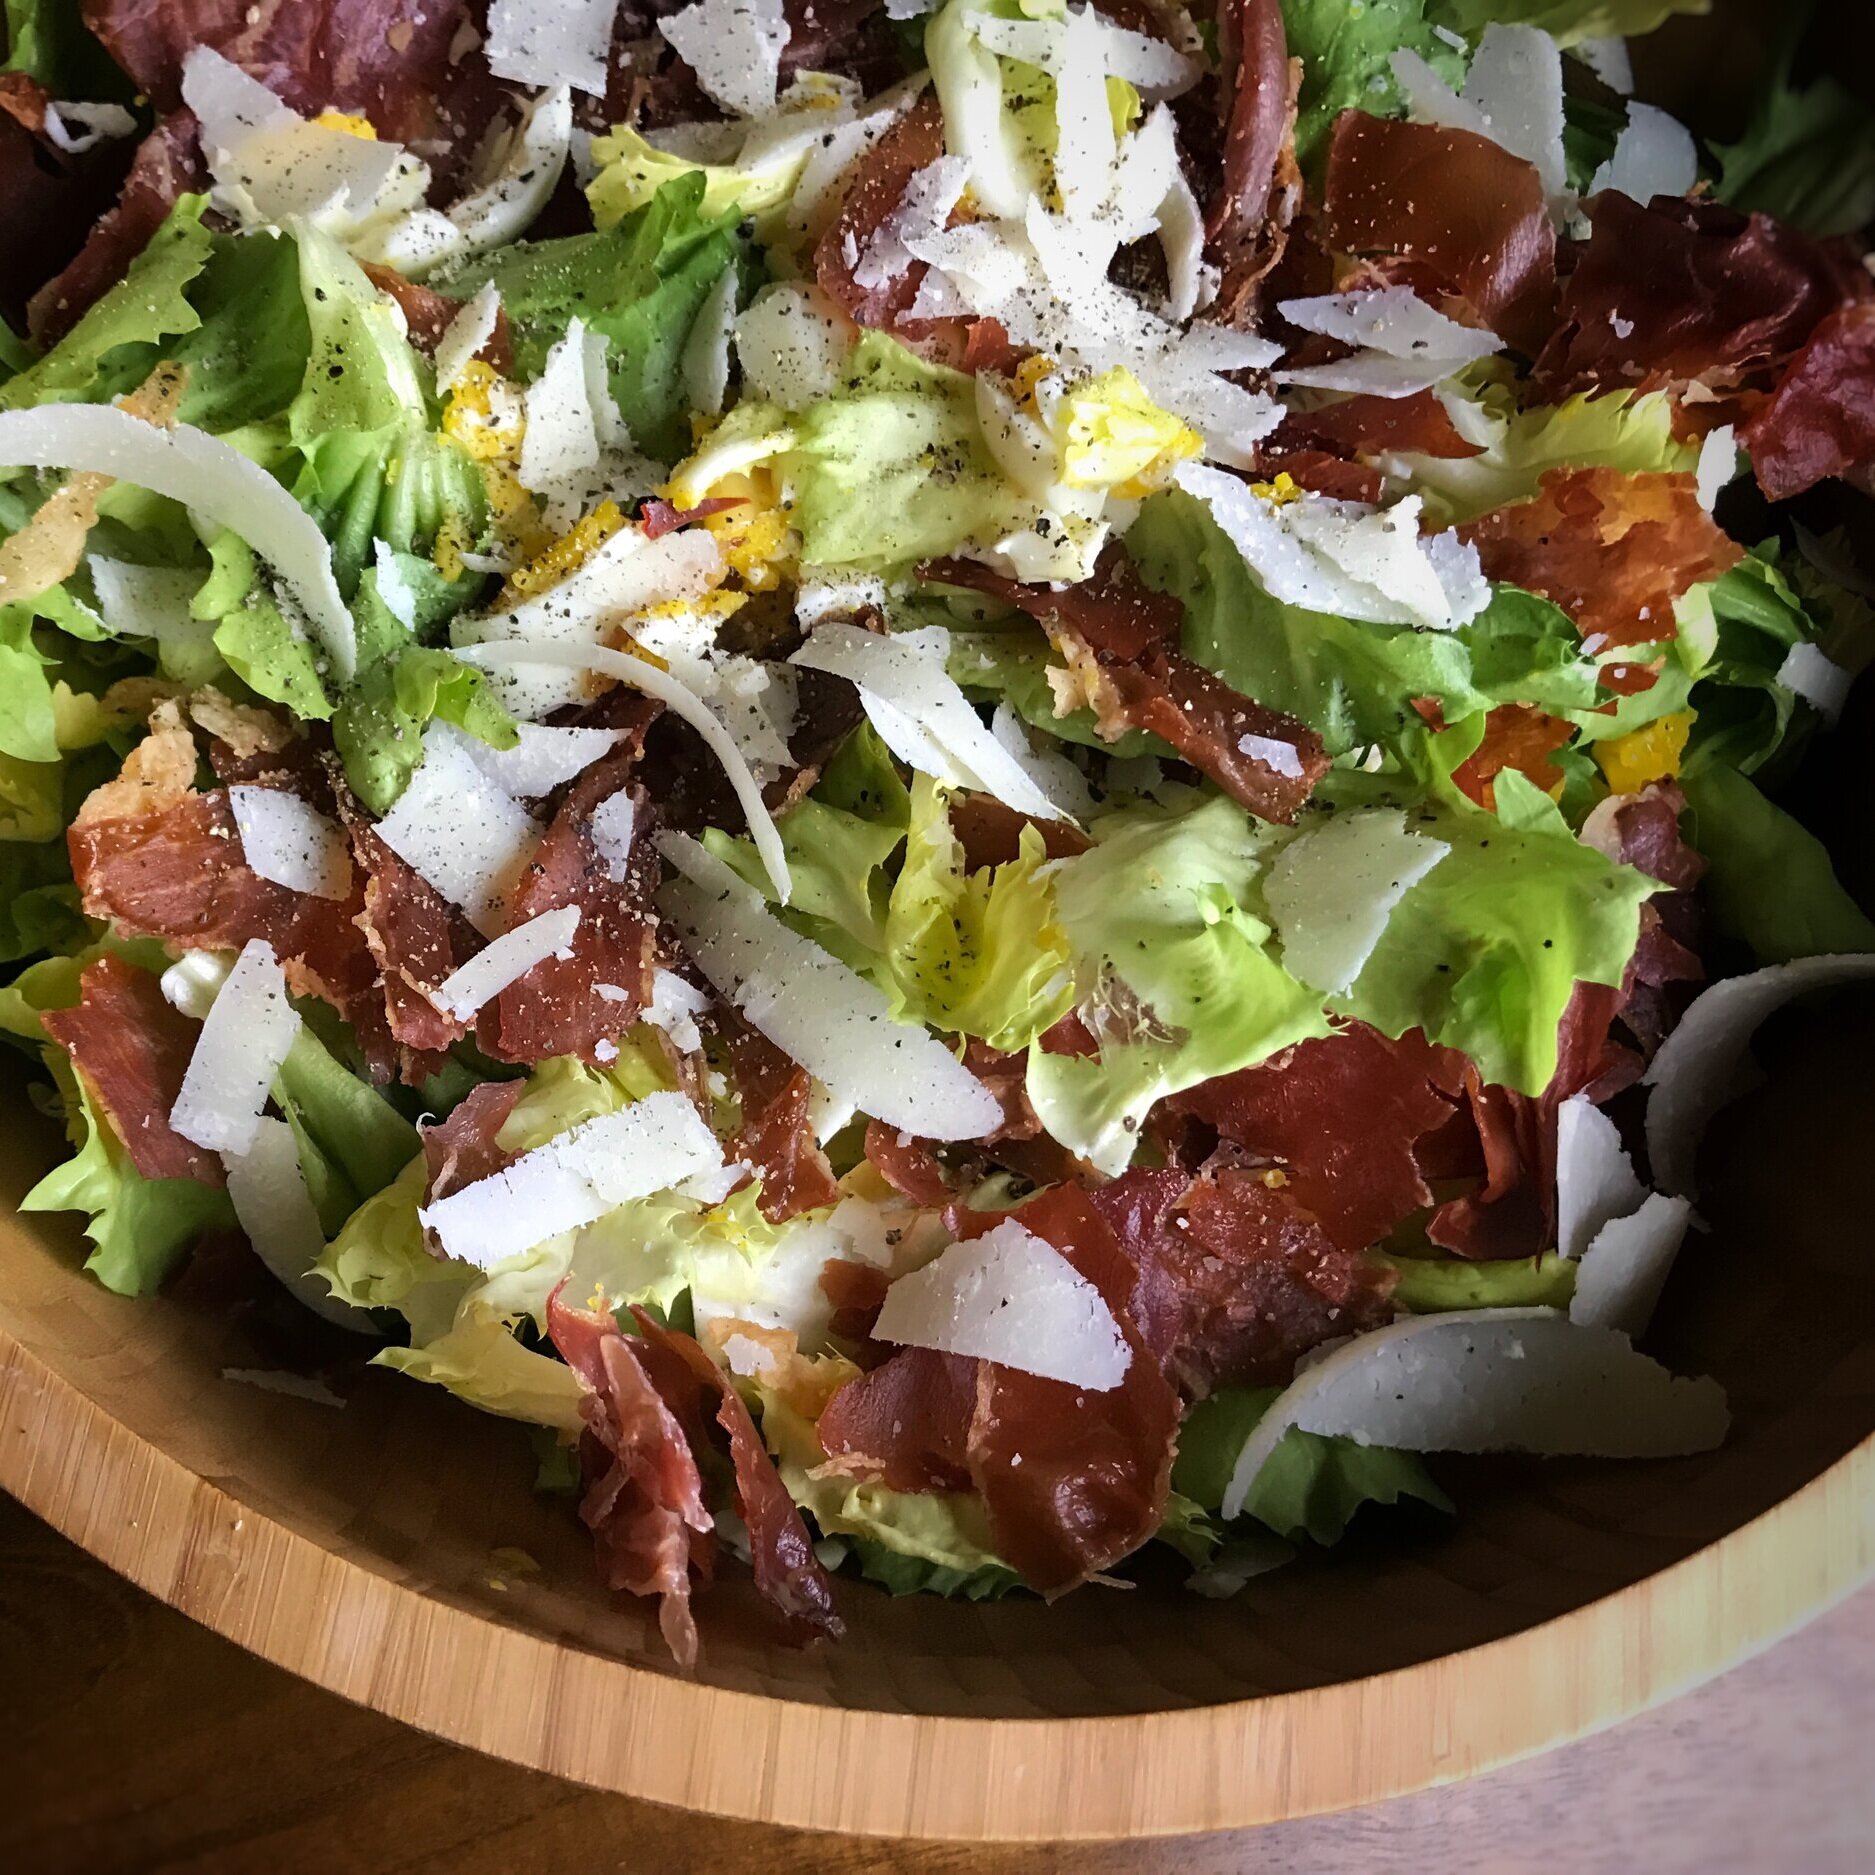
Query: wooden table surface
(133, 1740)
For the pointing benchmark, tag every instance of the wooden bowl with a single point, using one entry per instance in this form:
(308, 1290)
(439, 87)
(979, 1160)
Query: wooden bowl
(369, 1547)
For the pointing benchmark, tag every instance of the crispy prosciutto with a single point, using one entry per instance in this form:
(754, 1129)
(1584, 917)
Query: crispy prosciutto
(874, 188)
(776, 1137)
(461, 1149)
(1258, 187)
(556, 1008)
(1613, 550)
(1820, 420)
(157, 858)
(1672, 291)
(1459, 207)
(644, 1495)
(428, 314)
(1515, 736)
(1370, 426)
(1073, 1481)
(131, 1050)
(1117, 634)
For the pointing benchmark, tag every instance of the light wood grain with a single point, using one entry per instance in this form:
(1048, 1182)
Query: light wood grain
(353, 1547)
(138, 1742)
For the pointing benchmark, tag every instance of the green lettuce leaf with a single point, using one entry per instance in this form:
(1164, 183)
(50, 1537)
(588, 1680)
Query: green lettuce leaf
(48, 40)
(141, 1229)
(356, 1129)
(1311, 1485)
(1807, 155)
(1011, 666)
(247, 358)
(641, 282)
(1171, 971)
(1485, 952)
(978, 953)
(1769, 881)
(253, 634)
(1735, 633)
(1350, 682)
(1346, 53)
(148, 305)
(630, 172)
(1432, 1285)
(1568, 22)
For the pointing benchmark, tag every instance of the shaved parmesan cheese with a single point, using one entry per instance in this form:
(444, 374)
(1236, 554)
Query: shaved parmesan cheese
(1595, 1181)
(1405, 345)
(1491, 1380)
(459, 830)
(1654, 155)
(1010, 1297)
(674, 1007)
(574, 1180)
(1052, 772)
(465, 335)
(680, 702)
(613, 824)
(1624, 1270)
(1821, 682)
(1698, 1067)
(1181, 238)
(706, 350)
(814, 1009)
(148, 601)
(1344, 557)
(394, 587)
(1513, 95)
(561, 442)
(287, 840)
(1718, 463)
(541, 760)
(211, 479)
(1608, 59)
(507, 960)
(626, 577)
(243, 1042)
(924, 210)
(923, 716)
(193, 981)
(792, 343)
(275, 1210)
(734, 47)
(1333, 888)
(551, 42)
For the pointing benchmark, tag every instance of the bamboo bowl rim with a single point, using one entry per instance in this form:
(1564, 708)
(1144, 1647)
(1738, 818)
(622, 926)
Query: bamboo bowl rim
(620, 1727)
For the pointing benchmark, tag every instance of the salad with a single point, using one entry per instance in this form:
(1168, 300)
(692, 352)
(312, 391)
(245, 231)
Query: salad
(980, 785)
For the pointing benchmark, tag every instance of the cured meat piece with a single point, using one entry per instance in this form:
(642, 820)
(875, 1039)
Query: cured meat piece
(1115, 611)
(907, 1164)
(906, 1423)
(429, 314)
(1343, 1118)
(857, 1292)
(776, 1138)
(658, 518)
(1820, 420)
(556, 1008)
(1671, 291)
(1515, 736)
(131, 1050)
(644, 1496)
(1370, 426)
(788, 1574)
(1613, 550)
(875, 186)
(1258, 186)
(1453, 203)
(991, 833)
(461, 1149)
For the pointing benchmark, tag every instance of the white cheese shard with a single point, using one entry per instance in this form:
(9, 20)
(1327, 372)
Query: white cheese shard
(542, 759)
(1622, 1273)
(288, 841)
(148, 601)
(735, 48)
(706, 350)
(1817, 678)
(674, 1007)
(1609, 60)
(1010, 1297)
(465, 335)
(1345, 557)
(551, 42)
(95, 124)
(462, 832)
(275, 1210)
(574, 1180)
(613, 826)
(1595, 1181)
(1513, 95)
(814, 1009)
(1718, 463)
(560, 446)
(506, 961)
(1491, 1380)
(1332, 889)
(1654, 155)
(243, 1042)
(1699, 1066)
(1405, 346)
(924, 210)
(680, 701)
(924, 718)
(212, 479)
(628, 575)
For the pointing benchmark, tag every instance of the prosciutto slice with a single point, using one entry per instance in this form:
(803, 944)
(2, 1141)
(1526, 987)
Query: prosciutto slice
(1613, 550)
(1515, 736)
(1820, 420)
(131, 1050)
(776, 1137)
(461, 1149)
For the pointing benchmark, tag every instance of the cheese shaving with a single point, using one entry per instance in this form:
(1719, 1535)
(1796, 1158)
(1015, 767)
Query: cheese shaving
(243, 1042)
(288, 841)
(542, 759)
(1622, 1273)
(506, 961)
(275, 1210)
(734, 47)
(551, 42)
